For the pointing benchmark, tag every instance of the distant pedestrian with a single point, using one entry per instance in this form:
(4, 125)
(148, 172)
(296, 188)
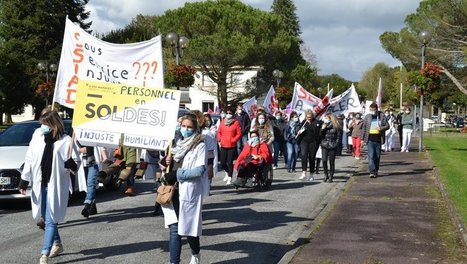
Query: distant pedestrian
(407, 129)
(293, 147)
(391, 132)
(399, 126)
(331, 135)
(309, 138)
(374, 126)
(46, 167)
(279, 128)
(228, 134)
(245, 124)
(356, 125)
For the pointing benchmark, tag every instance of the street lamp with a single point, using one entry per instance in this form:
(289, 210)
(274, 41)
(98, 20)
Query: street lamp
(178, 44)
(49, 70)
(277, 74)
(424, 37)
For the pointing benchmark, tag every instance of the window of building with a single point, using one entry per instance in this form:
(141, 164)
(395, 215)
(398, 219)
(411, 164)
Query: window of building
(208, 105)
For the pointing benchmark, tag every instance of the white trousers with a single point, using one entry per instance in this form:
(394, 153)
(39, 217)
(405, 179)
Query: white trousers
(390, 140)
(406, 136)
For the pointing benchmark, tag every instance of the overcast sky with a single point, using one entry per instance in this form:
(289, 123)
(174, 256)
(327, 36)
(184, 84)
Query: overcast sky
(343, 34)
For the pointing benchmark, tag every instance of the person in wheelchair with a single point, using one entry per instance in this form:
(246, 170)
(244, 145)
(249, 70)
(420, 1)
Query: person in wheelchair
(251, 161)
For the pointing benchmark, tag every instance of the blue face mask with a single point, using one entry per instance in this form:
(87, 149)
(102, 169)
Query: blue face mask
(186, 132)
(254, 140)
(45, 129)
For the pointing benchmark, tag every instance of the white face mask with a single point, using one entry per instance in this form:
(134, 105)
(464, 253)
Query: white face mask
(261, 121)
(295, 119)
(228, 116)
(407, 112)
(372, 112)
(239, 111)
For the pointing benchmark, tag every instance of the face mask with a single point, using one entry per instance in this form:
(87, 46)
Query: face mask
(372, 112)
(278, 117)
(358, 117)
(222, 115)
(407, 112)
(326, 121)
(228, 116)
(295, 119)
(186, 132)
(45, 129)
(387, 114)
(239, 111)
(177, 127)
(208, 123)
(391, 113)
(254, 140)
(261, 121)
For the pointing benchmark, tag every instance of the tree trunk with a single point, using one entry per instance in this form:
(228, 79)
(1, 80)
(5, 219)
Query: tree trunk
(222, 92)
(454, 80)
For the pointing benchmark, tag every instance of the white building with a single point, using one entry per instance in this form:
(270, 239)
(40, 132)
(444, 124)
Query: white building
(197, 96)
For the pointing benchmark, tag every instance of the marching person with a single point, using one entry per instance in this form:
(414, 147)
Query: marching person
(356, 126)
(245, 124)
(45, 166)
(293, 147)
(374, 126)
(331, 135)
(90, 157)
(308, 136)
(228, 133)
(183, 216)
(407, 129)
(279, 128)
(391, 132)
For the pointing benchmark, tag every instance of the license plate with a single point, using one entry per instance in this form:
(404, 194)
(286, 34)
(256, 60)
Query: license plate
(5, 180)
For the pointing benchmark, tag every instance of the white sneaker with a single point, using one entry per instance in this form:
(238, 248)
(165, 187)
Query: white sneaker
(303, 175)
(55, 250)
(311, 177)
(195, 259)
(229, 181)
(226, 176)
(274, 167)
(44, 259)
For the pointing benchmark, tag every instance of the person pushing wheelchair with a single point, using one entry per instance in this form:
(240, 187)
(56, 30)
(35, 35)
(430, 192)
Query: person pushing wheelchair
(255, 154)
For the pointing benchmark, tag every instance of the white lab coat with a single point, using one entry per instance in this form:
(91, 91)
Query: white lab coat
(59, 185)
(211, 145)
(191, 195)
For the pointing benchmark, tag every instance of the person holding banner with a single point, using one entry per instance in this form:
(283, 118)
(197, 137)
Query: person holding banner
(374, 127)
(293, 147)
(331, 135)
(309, 138)
(46, 165)
(228, 134)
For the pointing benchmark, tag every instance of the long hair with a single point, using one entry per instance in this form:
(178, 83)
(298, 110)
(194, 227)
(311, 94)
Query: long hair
(334, 121)
(51, 118)
(200, 118)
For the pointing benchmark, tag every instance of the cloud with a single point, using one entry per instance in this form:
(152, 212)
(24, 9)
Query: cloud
(343, 34)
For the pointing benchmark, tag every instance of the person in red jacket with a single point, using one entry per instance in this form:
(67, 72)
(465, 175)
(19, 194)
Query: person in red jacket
(228, 134)
(254, 156)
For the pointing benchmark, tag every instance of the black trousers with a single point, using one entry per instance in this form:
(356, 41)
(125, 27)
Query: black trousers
(308, 151)
(329, 155)
(226, 159)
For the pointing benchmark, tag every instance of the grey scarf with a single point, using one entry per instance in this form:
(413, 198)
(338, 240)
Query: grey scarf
(185, 145)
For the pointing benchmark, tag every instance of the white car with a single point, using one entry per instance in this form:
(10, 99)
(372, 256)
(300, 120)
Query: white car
(14, 142)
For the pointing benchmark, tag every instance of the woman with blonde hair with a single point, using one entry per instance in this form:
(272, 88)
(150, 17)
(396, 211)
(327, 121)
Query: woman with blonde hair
(331, 136)
(45, 166)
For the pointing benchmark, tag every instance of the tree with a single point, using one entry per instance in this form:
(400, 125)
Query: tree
(446, 20)
(226, 37)
(370, 82)
(32, 31)
(335, 81)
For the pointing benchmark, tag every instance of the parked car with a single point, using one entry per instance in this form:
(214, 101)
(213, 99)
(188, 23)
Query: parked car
(460, 122)
(14, 142)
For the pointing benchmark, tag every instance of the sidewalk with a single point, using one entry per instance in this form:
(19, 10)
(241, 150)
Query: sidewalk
(399, 217)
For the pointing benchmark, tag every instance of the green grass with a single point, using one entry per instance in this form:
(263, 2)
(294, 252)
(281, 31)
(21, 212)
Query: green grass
(449, 156)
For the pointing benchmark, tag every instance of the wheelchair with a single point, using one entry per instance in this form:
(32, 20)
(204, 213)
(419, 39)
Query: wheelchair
(257, 177)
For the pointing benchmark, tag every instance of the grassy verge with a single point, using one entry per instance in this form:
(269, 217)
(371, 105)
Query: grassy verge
(448, 153)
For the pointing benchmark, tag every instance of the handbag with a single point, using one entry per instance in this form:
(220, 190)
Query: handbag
(165, 194)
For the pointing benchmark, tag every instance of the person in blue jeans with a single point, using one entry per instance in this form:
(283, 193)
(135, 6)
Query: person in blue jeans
(293, 148)
(46, 166)
(374, 127)
(91, 169)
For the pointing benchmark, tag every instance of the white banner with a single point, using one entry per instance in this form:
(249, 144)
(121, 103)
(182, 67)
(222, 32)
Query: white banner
(250, 107)
(345, 103)
(270, 104)
(302, 100)
(86, 57)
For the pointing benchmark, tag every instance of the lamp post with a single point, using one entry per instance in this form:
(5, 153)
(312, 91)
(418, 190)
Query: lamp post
(178, 44)
(424, 37)
(49, 70)
(277, 74)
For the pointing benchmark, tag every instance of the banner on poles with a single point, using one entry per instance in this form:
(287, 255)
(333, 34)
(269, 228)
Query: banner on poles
(147, 117)
(250, 107)
(303, 100)
(270, 104)
(345, 103)
(86, 57)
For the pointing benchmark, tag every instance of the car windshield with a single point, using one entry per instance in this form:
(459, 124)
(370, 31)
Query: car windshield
(20, 134)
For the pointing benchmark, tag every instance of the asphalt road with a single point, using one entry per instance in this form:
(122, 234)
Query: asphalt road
(239, 226)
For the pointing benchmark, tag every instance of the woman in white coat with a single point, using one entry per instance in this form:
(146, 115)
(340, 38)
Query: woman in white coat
(183, 215)
(44, 166)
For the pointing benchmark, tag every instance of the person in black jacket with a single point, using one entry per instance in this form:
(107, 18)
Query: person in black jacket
(245, 124)
(309, 139)
(331, 136)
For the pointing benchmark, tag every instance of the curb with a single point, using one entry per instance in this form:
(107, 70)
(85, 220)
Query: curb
(301, 237)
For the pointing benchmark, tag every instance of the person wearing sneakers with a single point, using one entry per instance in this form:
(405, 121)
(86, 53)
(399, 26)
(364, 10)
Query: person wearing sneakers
(356, 125)
(407, 129)
(331, 135)
(46, 167)
(374, 127)
(228, 134)
(128, 173)
(309, 138)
